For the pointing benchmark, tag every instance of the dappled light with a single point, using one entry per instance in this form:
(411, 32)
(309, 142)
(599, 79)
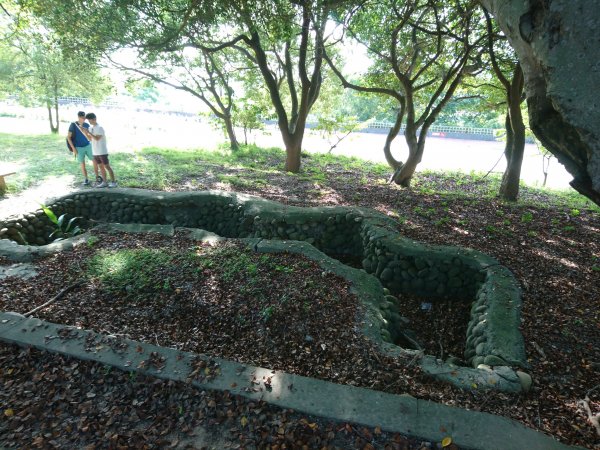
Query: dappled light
(425, 243)
(565, 262)
(460, 230)
(46, 187)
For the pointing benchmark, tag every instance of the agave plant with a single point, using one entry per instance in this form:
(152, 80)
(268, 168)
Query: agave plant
(64, 228)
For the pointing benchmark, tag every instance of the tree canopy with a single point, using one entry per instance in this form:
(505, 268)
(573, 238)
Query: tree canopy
(422, 52)
(34, 68)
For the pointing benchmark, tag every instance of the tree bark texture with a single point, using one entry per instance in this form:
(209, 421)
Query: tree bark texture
(509, 189)
(387, 148)
(293, 149)
(415, 154)
(53, 128)
(233, 142)
(515, 149)
(56, 111)
(555, 41)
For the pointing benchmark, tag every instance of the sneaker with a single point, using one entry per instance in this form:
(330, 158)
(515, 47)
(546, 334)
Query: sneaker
(102, 185)
(86, 182)
(99, 179)
(112, 184)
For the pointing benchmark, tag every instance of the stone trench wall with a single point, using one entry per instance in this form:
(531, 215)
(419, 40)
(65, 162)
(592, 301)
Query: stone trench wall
(401, 265)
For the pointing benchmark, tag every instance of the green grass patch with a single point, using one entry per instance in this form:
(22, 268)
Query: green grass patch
(36, 158)
(137, 271)
(43, 157)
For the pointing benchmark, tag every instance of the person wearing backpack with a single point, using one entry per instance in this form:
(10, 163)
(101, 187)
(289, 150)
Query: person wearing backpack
(81, 147)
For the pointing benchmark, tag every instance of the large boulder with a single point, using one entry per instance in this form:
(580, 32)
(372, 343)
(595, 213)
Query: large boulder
(558, 45)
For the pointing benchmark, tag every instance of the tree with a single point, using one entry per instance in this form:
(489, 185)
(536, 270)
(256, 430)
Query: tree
(253, 106)
(203, 74)
(474, 106)
(38, 73)
(365, 106)
(293, 44)
(503, 62)
(421, 50)
(142, 89)
(552, 41)
(280, 38)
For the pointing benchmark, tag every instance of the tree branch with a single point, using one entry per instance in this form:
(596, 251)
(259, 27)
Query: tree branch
(356, 87)
(5, 11)
(495, 65)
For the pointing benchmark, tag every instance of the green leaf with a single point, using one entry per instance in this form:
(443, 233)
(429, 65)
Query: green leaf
(49, 214)
(70, 224)
(60, 221)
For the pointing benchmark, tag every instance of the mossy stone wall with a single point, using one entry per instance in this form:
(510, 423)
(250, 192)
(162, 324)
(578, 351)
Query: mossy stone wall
(402, 265)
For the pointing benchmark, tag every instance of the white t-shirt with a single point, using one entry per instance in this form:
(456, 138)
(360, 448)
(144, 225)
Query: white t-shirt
(99, 147)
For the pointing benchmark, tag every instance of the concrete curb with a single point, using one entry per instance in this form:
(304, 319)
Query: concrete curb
(396, 413)
(401, 265)
(367, 287)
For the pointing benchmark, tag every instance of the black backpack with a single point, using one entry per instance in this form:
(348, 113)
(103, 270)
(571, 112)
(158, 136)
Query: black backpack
(72, 129)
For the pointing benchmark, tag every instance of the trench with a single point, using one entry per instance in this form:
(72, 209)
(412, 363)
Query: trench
(483, 291)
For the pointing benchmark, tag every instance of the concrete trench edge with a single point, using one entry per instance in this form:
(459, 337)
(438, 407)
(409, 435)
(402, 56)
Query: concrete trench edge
(401, 264)
(395, 413)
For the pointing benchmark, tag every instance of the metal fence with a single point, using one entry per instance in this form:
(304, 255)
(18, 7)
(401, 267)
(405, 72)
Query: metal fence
(442, 131)
(437, 128)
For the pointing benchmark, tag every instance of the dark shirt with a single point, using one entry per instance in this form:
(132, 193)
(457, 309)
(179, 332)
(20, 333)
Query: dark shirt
(77, 137)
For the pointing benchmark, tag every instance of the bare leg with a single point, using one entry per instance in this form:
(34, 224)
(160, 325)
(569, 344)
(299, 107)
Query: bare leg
(110, 171)
(84, 170)
(103, 171)
(95, 168)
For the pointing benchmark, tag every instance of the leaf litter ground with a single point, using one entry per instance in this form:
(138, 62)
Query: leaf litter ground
(553, 251)
(51, 401)
(224, 301)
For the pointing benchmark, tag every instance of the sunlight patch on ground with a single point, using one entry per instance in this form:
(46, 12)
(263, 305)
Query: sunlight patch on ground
(591, 228)
(222, 186)
(30, 199)
(565, 262)
(460, 230)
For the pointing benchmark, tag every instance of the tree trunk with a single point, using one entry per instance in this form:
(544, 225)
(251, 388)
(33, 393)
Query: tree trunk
(387, 148)
(508, 150)
(233, 142)
(560, 68)
(415, 153)
(416, 145)
(509, 189)
(56, 110)
(510, 138)
(53, 129)
(293, 149)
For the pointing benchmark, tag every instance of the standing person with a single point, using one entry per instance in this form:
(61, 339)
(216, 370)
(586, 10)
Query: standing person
(81, 146)
(97, 136)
